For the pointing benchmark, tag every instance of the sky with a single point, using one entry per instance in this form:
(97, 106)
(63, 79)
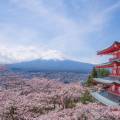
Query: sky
(57, 29)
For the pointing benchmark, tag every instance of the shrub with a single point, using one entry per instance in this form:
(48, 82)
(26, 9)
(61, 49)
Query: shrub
(86, 97)
(69, 103)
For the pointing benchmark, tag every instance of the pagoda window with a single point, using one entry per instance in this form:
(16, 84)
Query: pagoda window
(115, 66)
(119, 54)
(113, 88)
(114, 71)
(119, 89)
(119, 70)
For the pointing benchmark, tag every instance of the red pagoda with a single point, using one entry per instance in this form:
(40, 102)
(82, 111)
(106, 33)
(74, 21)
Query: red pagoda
(110, 92)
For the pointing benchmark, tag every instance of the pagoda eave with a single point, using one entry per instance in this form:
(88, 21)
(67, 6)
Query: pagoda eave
(107, 52)
(110, 50)
(103, 81)
(109, 64)
(105, 65)
(106, 81)
(104, 100)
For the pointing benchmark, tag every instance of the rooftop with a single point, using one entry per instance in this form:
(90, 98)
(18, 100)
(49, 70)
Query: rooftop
(108, 80)
(106, 98)
(109, 64)
(114, 47)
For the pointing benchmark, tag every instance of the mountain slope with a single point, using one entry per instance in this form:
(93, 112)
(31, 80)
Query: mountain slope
(52, 65)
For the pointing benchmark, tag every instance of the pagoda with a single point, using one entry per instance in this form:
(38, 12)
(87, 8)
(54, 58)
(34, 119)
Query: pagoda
(109, 94)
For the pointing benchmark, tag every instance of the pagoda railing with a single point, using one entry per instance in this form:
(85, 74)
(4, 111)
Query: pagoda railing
(114, 75)
(114, 59)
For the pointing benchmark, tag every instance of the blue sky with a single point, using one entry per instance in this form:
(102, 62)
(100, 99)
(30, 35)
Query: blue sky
(59, 29)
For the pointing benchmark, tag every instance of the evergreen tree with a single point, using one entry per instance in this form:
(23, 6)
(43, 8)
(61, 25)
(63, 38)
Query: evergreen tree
(89, 81)
(94, 73)
(86, 97)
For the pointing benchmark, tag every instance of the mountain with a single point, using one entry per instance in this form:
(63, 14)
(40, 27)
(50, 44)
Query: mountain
(52, 65)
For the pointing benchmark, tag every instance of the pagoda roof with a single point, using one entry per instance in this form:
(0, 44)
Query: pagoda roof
(107, 80)
(105, 65)
(109, 64)
(114, 47)
(105, 99)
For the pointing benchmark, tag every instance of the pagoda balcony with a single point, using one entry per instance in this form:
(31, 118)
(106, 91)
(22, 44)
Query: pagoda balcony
(106, 98)
(114, 75)
(114, 59)
(115, 47)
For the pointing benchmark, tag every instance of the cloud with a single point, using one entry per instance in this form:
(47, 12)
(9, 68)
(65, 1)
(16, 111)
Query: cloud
(26, 53)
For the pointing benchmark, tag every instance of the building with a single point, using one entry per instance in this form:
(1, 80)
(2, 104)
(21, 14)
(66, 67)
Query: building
(110, 92)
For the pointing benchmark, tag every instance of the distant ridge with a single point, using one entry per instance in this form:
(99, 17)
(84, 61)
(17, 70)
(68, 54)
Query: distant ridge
(52, 65)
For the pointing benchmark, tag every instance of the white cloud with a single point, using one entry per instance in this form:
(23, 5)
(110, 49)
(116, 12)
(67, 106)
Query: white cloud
(26, 53)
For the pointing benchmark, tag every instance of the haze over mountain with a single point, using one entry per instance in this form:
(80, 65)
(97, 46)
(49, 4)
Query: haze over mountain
(52, 65)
